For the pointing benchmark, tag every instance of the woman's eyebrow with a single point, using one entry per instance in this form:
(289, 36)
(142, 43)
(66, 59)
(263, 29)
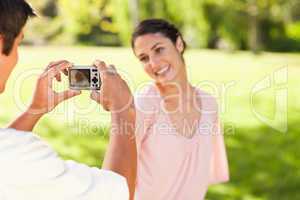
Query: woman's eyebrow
(141, 55)
(155, 45)
(150, 49)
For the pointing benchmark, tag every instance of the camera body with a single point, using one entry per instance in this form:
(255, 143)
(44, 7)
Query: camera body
(84, 78)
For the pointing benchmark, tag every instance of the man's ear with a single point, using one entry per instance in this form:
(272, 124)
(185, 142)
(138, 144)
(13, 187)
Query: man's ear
(179, 44)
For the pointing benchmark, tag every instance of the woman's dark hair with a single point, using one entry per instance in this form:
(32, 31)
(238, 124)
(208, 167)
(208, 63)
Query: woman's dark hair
(13, 17)
(157, 26)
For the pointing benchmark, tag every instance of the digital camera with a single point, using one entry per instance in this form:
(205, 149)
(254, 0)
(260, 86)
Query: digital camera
(84, 78)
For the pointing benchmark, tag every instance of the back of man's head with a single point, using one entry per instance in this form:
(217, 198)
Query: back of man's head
(13, 17)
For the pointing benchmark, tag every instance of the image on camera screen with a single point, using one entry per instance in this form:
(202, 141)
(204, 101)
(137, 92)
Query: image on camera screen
(80, 77)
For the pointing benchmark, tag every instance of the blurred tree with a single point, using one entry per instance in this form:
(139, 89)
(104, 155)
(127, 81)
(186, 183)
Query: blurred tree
(253, 24)
(134, 11)
(70, 22)
(192, 23)
(124, 18)
(45, 27)
(189, 16)
(81, 19)
(228, 24)
(46, 8)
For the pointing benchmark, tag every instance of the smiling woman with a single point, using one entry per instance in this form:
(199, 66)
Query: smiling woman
(160, 48)
(179, 139)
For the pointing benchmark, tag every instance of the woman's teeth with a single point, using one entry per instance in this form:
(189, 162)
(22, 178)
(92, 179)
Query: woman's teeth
(163, 70)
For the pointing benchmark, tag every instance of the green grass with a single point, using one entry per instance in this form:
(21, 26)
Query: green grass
(262, 159)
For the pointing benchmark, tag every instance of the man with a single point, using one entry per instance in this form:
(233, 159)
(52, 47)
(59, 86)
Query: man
(29, 168)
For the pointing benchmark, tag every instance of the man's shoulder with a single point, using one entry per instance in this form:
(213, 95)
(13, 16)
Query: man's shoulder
(25, 158)
(13, 141)
(28, 162)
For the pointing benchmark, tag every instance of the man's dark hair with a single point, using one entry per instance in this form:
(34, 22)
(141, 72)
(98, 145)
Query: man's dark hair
(157, 26)
(13, 17)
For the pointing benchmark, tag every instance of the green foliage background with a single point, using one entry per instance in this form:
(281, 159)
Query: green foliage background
(263, 162)
(224, 24)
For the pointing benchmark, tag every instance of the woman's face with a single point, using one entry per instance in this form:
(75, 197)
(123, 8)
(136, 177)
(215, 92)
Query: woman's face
(161, 59)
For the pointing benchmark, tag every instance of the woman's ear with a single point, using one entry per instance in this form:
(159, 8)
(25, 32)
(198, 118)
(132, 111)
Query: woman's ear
(179, 44)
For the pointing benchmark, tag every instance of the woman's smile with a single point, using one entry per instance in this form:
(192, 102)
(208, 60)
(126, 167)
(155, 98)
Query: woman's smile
(163, 71)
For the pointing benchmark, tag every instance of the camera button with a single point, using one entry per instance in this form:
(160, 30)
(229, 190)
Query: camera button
(95, 80)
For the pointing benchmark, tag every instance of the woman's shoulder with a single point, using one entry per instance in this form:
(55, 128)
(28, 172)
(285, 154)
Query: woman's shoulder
(146, 95)
(208, 101)
(147, 88)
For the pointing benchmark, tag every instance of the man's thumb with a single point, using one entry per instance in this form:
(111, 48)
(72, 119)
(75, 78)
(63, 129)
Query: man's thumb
(95, 95)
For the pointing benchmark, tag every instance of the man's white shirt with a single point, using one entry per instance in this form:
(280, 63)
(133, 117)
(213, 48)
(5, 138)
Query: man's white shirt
(31, 170)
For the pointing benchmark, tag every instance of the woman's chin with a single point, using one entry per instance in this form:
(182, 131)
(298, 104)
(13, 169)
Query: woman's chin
(168, 78)
(2, 87)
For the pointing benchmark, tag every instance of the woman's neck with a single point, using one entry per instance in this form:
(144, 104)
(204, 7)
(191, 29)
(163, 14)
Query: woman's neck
(180, 86)
(176, 92)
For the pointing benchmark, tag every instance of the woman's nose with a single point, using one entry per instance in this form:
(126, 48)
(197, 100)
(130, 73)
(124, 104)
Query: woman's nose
(154, 62)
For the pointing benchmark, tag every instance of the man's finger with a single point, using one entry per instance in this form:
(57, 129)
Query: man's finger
(58, 77)
(61, 65)
(100, 65)
(65, 71)
(112, 70)
(51, 65)
(55, 63)
(95, 95)
(54, 71)
(113, 67)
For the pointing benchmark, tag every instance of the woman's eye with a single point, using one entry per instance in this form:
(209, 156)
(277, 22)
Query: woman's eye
(143, 59)
(159, 49)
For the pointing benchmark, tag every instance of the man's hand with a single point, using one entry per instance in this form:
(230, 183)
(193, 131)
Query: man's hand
(114, 95)
(45, 99)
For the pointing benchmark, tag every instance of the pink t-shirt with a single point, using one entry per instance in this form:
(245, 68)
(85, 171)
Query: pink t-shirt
(171, 166)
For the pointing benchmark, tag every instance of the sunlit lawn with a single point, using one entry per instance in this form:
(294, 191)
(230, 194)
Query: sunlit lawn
(262, 154)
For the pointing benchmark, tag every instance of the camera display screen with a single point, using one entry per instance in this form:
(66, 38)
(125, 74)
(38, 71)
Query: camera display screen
(80, 77)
